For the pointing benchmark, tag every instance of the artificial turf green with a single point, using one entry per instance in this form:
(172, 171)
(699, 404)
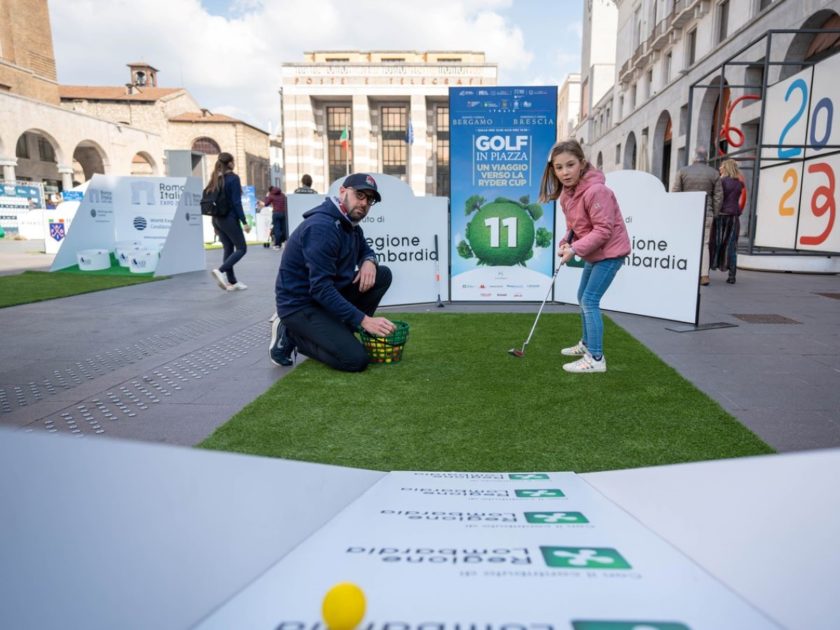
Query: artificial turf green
(459, 401)
(36, 286)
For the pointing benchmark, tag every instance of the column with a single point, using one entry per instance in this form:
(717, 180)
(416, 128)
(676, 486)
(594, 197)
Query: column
(363, 160)
(8, 165)
(417, 150)
(66, 173)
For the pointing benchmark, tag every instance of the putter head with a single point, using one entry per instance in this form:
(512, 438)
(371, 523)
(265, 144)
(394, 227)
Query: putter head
(516, 352)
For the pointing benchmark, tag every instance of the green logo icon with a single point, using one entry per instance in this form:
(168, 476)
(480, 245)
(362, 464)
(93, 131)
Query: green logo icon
(546, 493)
(502, 232)
(555, 518)
(628, 625)
(528, 476)
(583, 558)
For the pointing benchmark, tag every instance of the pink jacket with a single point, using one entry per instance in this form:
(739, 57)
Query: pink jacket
(592, 213)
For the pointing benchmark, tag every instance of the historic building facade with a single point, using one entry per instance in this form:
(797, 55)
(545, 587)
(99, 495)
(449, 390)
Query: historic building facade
(61, 135)
(663, 47)
(378, 111)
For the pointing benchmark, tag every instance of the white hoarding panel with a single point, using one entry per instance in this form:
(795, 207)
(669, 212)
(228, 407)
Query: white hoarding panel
(490, 550)
(401, 231)
(785, 124)
(777, 206)
(659, 278)
(819, 229)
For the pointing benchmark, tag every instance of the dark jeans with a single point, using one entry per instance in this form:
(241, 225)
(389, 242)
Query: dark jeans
(233, 243)
(322, 337)
(278, 228)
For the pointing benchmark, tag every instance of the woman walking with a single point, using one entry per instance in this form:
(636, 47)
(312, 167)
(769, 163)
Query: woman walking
(596, 233)
(229, 227)
(723, 241)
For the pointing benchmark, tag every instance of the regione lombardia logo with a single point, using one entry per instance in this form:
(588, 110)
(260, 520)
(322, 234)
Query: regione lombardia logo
(555, 518)
(584, 558)
(527, 476)
(545, 493)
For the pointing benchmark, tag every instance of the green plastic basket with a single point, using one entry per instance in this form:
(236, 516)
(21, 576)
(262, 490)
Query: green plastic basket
(387, 349)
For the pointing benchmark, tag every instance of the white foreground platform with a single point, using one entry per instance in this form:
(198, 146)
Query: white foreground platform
(104, 534)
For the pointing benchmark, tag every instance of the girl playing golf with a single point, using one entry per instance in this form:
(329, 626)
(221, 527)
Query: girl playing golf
(600, 239)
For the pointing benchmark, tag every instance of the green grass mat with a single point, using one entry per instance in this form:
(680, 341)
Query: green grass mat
(459, 401)
(36, 286)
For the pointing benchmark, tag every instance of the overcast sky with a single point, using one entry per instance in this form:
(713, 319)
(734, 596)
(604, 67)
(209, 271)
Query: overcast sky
(227, 53)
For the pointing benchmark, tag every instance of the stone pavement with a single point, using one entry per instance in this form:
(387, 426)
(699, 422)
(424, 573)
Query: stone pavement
(170, 361)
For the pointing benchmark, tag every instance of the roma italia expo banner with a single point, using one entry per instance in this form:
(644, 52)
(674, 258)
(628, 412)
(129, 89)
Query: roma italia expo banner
(502, 241)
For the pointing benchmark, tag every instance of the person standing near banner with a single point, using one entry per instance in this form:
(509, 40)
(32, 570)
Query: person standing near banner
(229, 227)
(724, 234)
(329, 283)
(276, 198)
(701, 177)
(305, 187)
(595, 232)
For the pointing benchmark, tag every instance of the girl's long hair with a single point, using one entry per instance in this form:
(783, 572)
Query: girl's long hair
(217, 179)
(730, 169)
(550, 186)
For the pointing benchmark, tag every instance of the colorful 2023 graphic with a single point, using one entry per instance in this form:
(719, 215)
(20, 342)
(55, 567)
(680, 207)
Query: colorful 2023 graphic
(797, 195)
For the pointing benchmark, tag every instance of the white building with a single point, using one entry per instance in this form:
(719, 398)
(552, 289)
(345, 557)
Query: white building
(597, 59)
(379, 111)
(664, 46)
(568, 106)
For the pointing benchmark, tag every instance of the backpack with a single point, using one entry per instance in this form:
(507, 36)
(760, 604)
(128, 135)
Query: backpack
(214, 203)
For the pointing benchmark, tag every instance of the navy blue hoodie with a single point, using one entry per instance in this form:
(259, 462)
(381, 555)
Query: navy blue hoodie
(321, 259)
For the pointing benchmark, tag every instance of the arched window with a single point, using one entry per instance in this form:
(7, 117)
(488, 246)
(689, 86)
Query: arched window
(207, 146)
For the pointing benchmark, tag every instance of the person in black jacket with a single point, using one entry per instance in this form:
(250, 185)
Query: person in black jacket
(229, 227)
(330, 284)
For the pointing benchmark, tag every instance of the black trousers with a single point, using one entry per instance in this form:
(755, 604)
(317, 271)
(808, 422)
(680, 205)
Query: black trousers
(278, 228)
(320, 336)
(229, 230)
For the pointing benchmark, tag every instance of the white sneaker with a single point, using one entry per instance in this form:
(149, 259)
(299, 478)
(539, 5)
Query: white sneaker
(239, 286)
(220, 278)
(586, 364)
(577, 350)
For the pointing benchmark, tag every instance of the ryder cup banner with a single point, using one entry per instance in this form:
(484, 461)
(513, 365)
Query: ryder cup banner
(502, 240)
(659, 278)
(157, 213)
(495, 551)
(401, 232)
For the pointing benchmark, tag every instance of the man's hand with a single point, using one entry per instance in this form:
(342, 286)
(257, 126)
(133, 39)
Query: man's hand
(566, 253)
(378, 326)
(366, 276)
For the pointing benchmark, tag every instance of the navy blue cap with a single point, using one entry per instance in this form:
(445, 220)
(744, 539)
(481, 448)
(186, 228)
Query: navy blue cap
(362, 181)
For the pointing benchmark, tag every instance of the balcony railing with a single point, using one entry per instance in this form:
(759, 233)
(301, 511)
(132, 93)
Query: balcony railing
(626, 71)
(659, 38)
(684, 11)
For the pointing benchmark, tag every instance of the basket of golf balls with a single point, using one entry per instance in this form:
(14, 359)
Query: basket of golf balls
(386, 349)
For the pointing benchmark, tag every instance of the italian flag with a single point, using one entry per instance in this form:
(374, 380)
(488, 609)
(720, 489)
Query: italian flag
(344, 139)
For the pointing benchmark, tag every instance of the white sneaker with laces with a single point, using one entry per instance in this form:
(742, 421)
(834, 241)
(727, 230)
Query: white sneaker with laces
(586, 364)
(239, 286)
(220, 279)
(577, 350)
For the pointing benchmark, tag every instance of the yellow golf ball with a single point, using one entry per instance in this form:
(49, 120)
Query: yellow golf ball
(343, 607)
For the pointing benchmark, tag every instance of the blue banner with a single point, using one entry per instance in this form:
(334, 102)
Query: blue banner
(502, 238)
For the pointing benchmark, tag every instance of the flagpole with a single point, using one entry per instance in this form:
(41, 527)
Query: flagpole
(347, 153)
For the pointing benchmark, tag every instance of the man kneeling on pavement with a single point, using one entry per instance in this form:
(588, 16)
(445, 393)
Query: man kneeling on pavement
(329, 283)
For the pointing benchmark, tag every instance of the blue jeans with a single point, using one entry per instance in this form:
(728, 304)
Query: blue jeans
(596, 279)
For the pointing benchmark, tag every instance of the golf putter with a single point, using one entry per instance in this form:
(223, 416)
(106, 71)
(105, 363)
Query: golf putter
(521, 352)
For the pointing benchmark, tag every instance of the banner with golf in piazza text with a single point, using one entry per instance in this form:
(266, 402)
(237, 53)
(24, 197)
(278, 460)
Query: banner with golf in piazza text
(502, 241)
